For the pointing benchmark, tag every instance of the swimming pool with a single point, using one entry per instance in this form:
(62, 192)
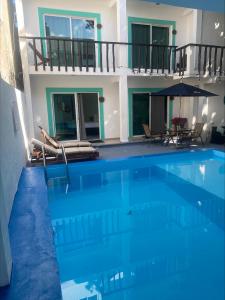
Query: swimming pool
(149, 227)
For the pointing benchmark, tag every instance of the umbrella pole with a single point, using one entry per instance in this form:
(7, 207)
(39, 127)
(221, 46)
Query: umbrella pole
(179, 118)
(180, 107)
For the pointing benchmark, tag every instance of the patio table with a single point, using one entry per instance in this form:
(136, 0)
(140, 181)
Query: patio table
(178, 133)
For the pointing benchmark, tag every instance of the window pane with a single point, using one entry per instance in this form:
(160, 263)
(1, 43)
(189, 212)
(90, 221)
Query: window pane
(65, 116)
(140, 35)
(160, 36)
(57, 26)
(83, 29)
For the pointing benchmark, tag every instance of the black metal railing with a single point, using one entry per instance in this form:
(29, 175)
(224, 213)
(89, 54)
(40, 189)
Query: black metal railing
(205, 59)
(85, 55)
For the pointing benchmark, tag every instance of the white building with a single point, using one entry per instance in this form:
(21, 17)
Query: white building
(100, 100)
(99, 86)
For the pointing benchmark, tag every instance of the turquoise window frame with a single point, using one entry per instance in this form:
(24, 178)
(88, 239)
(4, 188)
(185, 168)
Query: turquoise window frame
(131, 91)
(42, 11)
(52, 90)
(135, 20)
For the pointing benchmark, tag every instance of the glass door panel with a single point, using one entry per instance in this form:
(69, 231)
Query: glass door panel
(160, 36)
(88, 116)
(140, 35)
(140, 112)
(58, 27)
(65, 116)
(158, 114)
(84, 30)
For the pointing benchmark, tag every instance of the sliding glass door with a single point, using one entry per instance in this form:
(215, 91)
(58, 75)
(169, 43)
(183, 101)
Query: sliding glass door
(61, 49)
(150, 57)
(76, 116)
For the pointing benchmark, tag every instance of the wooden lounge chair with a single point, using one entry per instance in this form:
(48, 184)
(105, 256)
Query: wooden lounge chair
(152, 136)
(54, 143)
(43, 60)
(72, 153)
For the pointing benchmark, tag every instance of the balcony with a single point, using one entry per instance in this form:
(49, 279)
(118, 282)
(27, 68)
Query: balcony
(66, 56)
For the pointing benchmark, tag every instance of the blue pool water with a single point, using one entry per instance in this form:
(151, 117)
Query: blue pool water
(149, 227)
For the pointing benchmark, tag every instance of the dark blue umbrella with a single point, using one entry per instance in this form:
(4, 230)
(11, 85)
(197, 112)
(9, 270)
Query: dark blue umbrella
(183, 90)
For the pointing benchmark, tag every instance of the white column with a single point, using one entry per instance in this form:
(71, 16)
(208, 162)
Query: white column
(122, 33)
(25, 67)
(123, 99)
(122, 36)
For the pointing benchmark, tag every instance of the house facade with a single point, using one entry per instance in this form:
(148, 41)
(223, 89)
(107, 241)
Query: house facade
(90, 66)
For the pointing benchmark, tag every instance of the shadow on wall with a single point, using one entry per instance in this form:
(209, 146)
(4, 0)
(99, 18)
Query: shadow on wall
(13, 156)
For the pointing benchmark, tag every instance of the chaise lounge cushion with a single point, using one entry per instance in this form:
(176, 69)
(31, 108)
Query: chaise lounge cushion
(74, 144)
(57, 144)
(38, 144)
(68, 151)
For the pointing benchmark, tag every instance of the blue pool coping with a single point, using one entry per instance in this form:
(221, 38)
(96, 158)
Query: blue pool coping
(215, 152)
(35, 273)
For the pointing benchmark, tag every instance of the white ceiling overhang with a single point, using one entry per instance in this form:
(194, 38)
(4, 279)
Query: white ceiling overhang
(208, 5)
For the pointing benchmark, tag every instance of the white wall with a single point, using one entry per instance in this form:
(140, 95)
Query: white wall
(108, 14)
(213, 30)
(110, 92)
(215, 105)
(210, 110)
(12, 160)
(182, 16)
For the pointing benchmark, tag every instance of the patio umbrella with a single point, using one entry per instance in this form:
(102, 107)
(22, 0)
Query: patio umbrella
(183, 90)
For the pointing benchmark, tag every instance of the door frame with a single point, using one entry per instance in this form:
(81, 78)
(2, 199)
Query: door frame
(50, 111)
(132, 91)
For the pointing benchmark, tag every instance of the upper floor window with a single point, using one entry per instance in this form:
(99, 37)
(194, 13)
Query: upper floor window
(82, 51)
(70, 27)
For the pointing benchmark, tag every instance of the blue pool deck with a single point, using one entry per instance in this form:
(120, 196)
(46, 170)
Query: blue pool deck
(35, 274)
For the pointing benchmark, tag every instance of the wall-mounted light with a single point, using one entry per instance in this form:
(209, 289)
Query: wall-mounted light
(101, 99)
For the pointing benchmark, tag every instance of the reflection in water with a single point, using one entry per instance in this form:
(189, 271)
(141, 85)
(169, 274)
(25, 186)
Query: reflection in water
(136, 233)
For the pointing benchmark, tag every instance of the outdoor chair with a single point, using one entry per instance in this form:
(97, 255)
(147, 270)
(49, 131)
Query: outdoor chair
(72, 153)
(152, 136)
(186, 137)
(54, 143)
(196, 133)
